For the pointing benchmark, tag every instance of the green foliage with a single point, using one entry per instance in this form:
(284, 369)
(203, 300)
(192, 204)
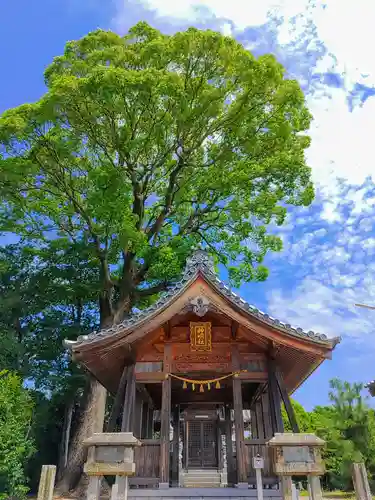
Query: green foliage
(145, 146)
(15, 443)
(347, 426)
(44, 299)
(303, 418)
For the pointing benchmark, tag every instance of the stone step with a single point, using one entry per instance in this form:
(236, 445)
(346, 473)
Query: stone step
(201, 481)
(202, 472)
(197, 484)
(202, 484)
(201, 478)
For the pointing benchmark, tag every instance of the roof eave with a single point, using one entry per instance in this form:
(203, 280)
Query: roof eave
(191, 274)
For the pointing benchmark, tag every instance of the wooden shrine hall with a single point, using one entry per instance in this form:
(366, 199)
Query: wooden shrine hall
(199, 377)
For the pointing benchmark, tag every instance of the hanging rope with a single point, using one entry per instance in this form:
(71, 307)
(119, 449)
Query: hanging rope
(202, 383)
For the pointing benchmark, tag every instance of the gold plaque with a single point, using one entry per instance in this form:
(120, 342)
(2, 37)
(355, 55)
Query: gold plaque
(200, 337)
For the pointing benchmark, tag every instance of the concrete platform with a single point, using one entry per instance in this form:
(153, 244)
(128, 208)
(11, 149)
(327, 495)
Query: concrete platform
(201, 494)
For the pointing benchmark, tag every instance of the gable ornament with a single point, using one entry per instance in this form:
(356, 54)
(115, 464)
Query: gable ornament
(200, 305)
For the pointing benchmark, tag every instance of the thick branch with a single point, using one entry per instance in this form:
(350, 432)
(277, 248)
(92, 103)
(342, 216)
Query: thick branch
(147, 292)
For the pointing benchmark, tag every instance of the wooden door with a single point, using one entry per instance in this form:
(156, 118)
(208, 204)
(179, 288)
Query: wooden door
(201, 444)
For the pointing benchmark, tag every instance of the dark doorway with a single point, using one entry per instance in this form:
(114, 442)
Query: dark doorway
(201, 440)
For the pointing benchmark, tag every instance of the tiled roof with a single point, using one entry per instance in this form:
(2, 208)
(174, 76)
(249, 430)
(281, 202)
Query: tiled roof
(201, 262)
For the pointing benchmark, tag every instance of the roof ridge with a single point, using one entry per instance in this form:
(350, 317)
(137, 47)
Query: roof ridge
(201, 262)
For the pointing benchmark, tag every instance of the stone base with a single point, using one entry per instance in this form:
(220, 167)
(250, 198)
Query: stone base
(202, 494)
(163, 486)
(242, 486)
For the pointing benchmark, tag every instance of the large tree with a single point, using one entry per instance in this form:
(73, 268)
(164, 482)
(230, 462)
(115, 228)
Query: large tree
(46, 296)
(145, 146)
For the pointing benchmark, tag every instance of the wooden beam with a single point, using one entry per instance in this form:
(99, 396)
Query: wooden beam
(150, 377)
(119, 398)
(274, 398)
(286, 400)
(257, 394)
(167, 330)
(234, 329)
(129, 401)
(253, 376)
(141, 388)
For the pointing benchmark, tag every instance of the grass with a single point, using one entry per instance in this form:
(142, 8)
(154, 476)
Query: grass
(334, 495)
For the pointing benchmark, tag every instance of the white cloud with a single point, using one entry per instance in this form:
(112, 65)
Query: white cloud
(226, 29)
(316, 306)
(242, 14)
(341, 146)
(331, 268)
(346, 28)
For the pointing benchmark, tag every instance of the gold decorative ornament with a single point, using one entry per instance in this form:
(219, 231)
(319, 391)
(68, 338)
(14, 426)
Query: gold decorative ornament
(200, 337)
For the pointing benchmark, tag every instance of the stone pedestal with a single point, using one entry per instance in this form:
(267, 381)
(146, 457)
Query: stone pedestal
(47, 482)
(360, 481)
(315, 488)
(110, 454)
(287, 487)
(298, 455)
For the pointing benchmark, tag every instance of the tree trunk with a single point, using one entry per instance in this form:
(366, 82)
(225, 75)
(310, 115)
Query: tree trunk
(92, 417)
(92, 420)
(65, 438)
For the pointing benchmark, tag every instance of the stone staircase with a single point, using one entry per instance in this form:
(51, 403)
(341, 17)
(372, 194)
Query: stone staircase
(201, 478)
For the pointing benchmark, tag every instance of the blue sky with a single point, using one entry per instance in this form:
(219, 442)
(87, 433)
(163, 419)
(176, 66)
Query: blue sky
(328, 259)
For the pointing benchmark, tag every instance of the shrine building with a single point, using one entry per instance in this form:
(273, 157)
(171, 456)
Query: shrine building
(200, 377)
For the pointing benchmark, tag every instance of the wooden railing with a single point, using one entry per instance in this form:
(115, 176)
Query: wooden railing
(147, 464)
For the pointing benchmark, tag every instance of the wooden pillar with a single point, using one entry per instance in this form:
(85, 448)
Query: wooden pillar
(253, 423)
(240, 433)
(274, 398)
(260, 418)
(176, 445)
(229, 446)
(150, 423)
(266, 416)
(119, 398)
(129, 400)
(164, 433)
(137, 415)
(165, 419)
(144, 420)
(239, 427)
(218, 443)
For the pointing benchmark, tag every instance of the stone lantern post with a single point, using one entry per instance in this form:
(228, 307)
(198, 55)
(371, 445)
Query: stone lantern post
(298, 455)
